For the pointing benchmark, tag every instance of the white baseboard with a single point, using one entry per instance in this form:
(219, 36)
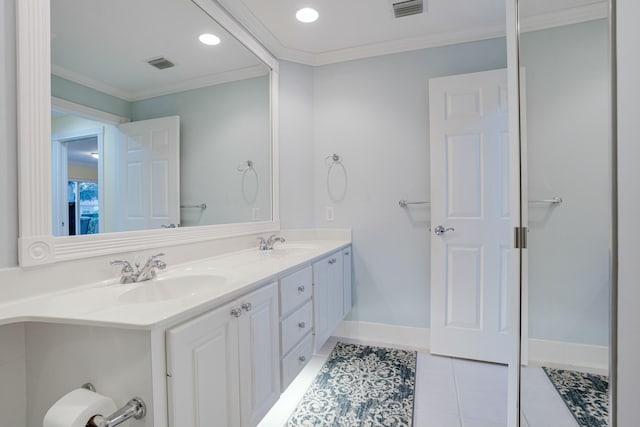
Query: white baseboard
(568, 355)
(541, 352)
(381, 333)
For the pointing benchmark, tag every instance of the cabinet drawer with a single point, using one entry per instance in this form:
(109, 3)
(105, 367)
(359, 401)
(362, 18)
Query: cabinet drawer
(296, 325)
(294, 290)
(297, 359)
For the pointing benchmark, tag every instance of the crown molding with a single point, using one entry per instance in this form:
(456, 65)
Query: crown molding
(197, 83)
(561, 18)
(408, 44)
(89, 82)
(533, 23)
(200, 82)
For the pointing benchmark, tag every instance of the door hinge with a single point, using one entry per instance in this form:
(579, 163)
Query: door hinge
(520, 237)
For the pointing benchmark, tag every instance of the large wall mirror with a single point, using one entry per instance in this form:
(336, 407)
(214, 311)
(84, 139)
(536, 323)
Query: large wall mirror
(161, 119)
(566, 143)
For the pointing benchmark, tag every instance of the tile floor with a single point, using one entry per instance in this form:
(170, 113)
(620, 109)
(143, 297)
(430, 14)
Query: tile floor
(452, 393)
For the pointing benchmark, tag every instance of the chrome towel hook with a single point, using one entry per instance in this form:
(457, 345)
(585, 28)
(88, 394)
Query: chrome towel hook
(245, 166)
(333, 159)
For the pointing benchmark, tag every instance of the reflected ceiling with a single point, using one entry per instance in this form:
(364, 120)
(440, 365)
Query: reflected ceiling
(120, 36)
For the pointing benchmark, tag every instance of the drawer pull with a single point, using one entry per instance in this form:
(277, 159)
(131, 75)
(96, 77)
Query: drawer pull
(247, 306)
(346, 253)
(332, 261)
(300, 288)
(236, 312)
(302, 325)
(302, 358)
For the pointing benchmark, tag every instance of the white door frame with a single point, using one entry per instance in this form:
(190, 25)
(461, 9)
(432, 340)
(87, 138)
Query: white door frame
(61, 138)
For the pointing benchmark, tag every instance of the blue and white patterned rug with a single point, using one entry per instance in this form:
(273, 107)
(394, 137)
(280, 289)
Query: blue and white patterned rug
(360, 386)
(586, 395)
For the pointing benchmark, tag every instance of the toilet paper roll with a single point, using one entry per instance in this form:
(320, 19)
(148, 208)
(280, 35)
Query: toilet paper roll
(76, 407)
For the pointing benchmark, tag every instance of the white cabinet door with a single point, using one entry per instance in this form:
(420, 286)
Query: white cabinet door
(259, 354)
(347, 280)
(321, 302)
(202, 371)
(336, 290)
(328, 295)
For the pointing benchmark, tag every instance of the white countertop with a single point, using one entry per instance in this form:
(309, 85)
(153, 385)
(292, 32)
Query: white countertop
(103, 304)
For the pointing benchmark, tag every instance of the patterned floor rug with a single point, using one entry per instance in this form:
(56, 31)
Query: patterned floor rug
(360, 386)
(586, 395)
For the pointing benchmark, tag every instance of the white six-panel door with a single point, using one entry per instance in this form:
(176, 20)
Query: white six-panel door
(148, 175)
(470, 261)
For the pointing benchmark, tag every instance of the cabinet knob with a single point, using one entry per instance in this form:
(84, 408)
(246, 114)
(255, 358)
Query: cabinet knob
(346, 253)
(332, 261)
(302, 358)
(302, 325)
(247, 306)
(300, 288)
(236, 312)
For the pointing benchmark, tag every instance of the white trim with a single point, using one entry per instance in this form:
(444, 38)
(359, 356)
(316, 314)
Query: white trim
(89, 82)
(69, 107)
(542, 352)
(409, 44)
(538, 22)
(514, 295)
(561, 18)
(99, 134)
(560, 354)
(77, 247)
(212, 80)
(167, 89)
(36, 244)
(381, 333)
(227, 21)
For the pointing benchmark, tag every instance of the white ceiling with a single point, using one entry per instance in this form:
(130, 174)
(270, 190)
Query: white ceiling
(105, 45)
(351, 29)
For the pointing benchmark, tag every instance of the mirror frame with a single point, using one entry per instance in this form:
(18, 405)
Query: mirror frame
(36, 243)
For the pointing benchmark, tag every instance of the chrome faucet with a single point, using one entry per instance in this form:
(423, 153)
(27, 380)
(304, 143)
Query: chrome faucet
(267, 245)
(149, 270)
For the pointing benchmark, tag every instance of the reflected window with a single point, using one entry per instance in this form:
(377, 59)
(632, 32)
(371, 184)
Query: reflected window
(84, 210)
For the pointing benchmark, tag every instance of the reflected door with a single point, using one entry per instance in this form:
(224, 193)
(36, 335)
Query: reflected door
(148, 174)
(470, 245)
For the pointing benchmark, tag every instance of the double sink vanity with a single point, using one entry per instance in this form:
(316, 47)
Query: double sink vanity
(218, 338)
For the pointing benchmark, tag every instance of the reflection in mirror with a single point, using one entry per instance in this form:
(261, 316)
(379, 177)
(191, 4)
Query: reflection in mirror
(149, 123)
(567, 150)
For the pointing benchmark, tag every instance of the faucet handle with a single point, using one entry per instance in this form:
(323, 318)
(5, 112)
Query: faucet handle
(153, 257)
(126, 265)
(263, 244)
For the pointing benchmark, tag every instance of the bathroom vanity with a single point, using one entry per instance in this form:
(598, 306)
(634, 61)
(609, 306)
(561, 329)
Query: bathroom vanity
(218, 338)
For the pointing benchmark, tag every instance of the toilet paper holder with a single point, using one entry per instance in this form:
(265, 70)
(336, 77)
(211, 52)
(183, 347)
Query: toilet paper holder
(135, 408)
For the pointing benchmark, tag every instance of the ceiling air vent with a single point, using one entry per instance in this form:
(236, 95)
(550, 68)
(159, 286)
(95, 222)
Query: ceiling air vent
(160, 63)
(407, 8)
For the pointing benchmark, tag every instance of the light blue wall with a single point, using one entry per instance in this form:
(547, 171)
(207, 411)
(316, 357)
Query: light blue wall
(220, 127)
(567, 99)
(374, 113)
(74, 92)
(297, 160)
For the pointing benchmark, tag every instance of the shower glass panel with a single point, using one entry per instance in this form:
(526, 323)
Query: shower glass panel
(566, 149)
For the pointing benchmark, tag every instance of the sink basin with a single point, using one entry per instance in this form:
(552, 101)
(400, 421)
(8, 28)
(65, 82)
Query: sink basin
(288, 249)
(171, 288)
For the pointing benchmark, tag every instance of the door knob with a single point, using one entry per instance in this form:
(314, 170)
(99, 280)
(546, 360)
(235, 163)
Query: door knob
(440, 230)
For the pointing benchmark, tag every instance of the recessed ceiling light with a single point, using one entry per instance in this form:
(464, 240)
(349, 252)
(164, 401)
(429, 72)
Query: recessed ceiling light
(307, 15)
(209, 39)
